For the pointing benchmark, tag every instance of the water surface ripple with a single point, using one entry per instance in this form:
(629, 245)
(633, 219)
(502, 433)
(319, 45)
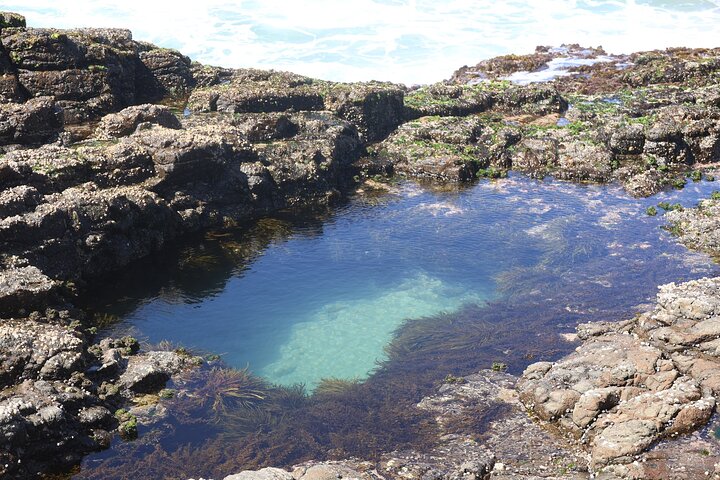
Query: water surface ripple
(400, 288)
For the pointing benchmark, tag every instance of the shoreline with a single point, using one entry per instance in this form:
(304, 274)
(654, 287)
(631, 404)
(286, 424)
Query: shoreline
(95, 175)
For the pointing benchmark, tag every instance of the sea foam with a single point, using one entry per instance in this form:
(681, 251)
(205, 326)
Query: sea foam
(409, 41)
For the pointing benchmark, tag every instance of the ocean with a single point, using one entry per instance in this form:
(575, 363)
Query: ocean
(406, 41)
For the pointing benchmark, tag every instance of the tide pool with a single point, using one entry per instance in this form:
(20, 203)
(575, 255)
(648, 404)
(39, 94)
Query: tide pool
(388, 293)
(305, 297)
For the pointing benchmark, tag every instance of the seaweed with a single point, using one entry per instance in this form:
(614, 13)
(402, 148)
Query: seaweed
(219, 391)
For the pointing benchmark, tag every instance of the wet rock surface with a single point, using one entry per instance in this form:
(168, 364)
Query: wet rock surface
(634, 383)
(58, 393)
(509, 446)
(699, 227)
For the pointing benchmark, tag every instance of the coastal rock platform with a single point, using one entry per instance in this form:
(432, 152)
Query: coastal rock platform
(111, 148)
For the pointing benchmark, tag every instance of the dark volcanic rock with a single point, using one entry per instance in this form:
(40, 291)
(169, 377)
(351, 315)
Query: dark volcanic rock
(10, 19)
(447, 100)
(299, 156)
(96, 206)
(37, 350)
(250, 90)
(85, 230)
(376, 109)
(537, 99)
(10, 90)
(24, 287)
(91, 71)
(266, 127)
(18, 200)
(449, 148)
(191, 155)
(38, 428)
(257, 141)
(53, 408)
(162, 72)
(36, 121)
(699, 228)
(207, 76)
(52, 169)
(673, 65)
(126, 121)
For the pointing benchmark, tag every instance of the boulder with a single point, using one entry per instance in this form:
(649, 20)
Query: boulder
(25, 287)
(91, 71)
(262, 474)
(37, 350)
(39, 426)
(445, 148)
(447, 100)
(375, 108)
(18, 200)
(201, 154)
(627, 139)
(148, 372)
(85, 230)
(12, 20)
(255, 91)
(162, 72)
(126, 121)
(36, 121)
(536, 99)
(583, 161)
(630, 384)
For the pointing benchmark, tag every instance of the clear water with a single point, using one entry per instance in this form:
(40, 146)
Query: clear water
(324, 300)
(398, 289)
(409, 41)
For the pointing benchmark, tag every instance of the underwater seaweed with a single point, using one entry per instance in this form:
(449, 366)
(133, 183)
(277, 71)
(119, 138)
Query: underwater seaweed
(218, 391)
(563, 280)
(266, 416)
(331, 386)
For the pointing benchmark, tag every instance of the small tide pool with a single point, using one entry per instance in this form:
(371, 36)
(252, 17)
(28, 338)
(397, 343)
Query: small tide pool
(391, 291)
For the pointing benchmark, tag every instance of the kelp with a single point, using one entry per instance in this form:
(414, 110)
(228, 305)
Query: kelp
(334, 386)
(217, 429)
(219, 391)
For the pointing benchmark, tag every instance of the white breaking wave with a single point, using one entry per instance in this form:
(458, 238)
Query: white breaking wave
(409, 41)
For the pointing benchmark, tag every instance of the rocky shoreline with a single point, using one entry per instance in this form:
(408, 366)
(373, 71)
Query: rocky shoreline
(112, 148)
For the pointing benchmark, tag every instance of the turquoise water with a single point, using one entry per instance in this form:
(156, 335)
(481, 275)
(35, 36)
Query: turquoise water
(397, 289)
(409, 41)
(298, 301)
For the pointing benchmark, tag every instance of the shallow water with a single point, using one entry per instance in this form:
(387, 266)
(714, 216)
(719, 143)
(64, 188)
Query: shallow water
(325, 301)
(412, 284)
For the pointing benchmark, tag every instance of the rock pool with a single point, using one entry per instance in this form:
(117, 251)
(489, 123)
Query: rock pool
(397, 288)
